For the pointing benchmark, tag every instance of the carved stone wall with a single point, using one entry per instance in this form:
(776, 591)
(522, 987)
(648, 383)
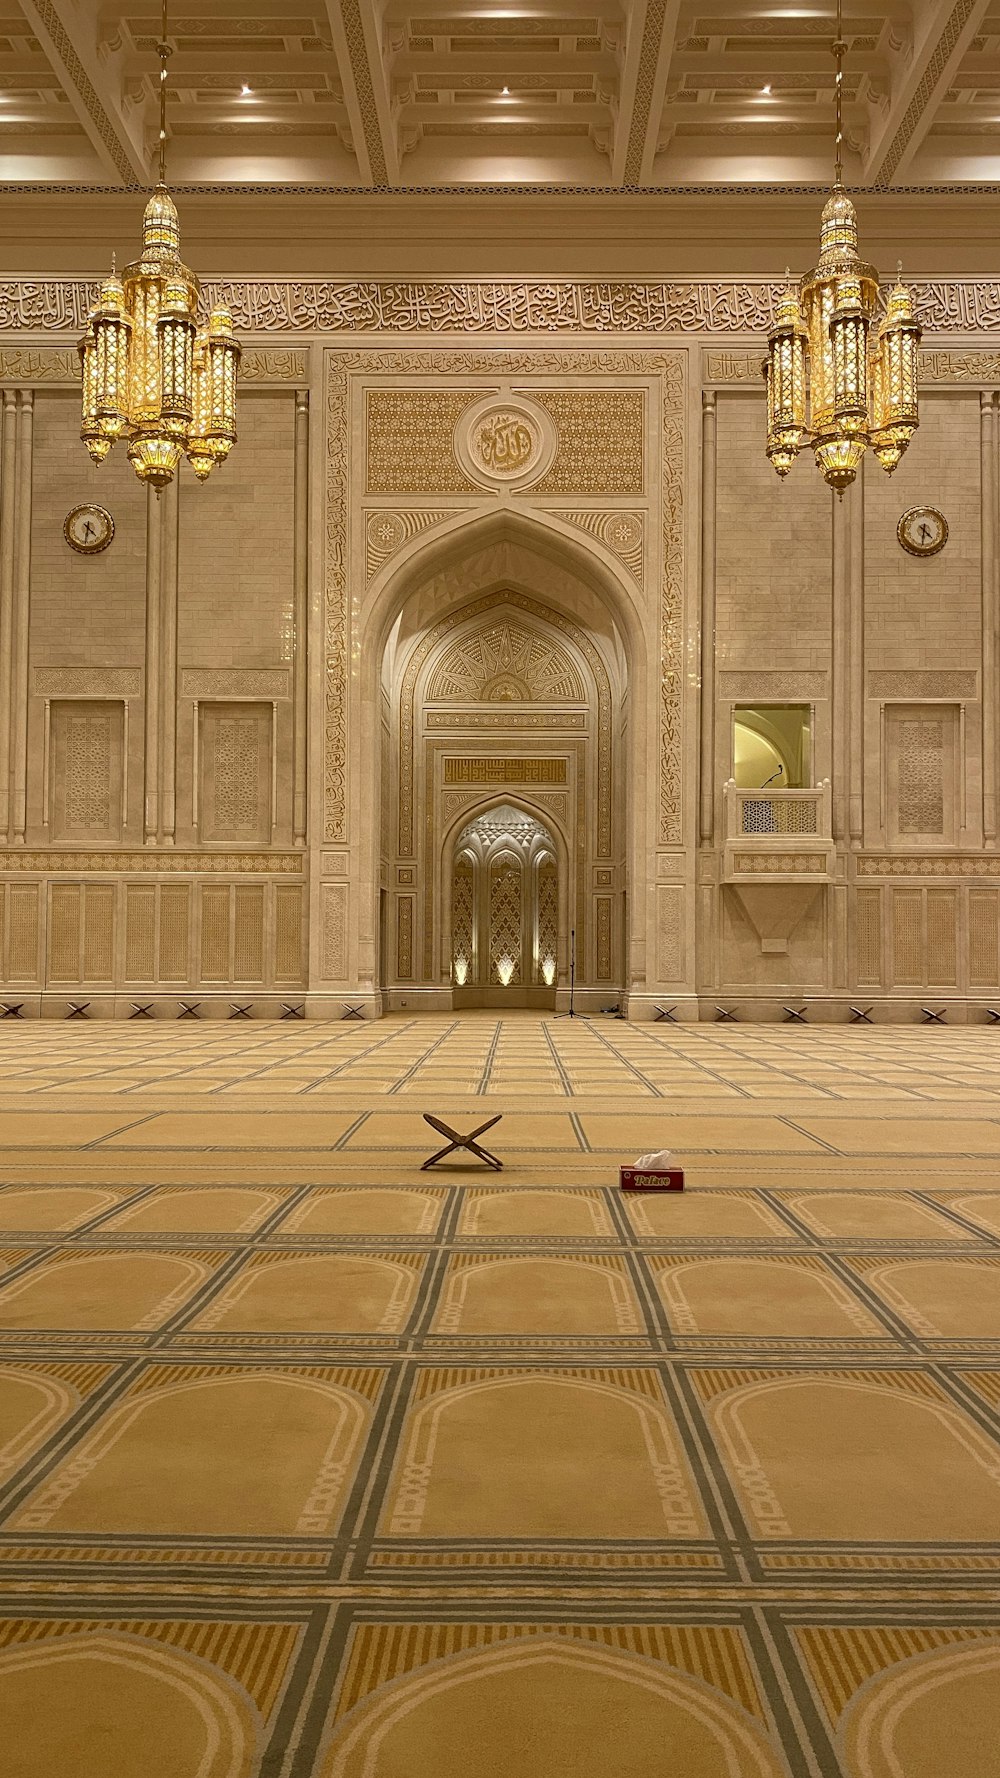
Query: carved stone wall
(155, 842)
(149, 698)
(894, 660)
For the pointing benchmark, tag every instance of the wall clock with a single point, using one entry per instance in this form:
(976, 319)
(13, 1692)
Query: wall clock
(88, 529)
(923, 530)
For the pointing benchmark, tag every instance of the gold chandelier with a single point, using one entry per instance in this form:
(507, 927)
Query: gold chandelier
(837, 379)
(151, 375)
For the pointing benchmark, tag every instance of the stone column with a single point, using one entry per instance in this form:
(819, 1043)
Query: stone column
(856, 664)
(987, 505)
(300, 713)
(170, 536)
(8, 484)
(708, 499)
(151, 769)
(21, 618)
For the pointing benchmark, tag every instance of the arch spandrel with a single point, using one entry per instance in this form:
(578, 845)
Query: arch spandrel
(480, 552)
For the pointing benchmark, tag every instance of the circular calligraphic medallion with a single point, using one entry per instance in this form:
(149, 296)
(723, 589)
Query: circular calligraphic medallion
(505, 443)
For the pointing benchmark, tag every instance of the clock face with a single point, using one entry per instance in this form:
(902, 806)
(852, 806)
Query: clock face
(923, 530)
(88, 529)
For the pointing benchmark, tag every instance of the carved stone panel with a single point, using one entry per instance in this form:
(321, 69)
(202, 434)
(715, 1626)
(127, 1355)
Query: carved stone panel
(411, 441)
(20, 905)
(868, 937)
(333, 931)
(601, 441)
(81, 932)
(931, 682)
(235, 772)
(669, 932)
(85, 771)
(984, 938)
(921, 774)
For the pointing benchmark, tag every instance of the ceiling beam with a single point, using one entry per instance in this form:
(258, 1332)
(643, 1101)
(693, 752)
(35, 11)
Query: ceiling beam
(457, 118)
(91, 80)
(943, 31)
(357, 43)
(813, 59)
(722, 113)
(187, 65)
(503, 62)
(649, 40)
(201, 118)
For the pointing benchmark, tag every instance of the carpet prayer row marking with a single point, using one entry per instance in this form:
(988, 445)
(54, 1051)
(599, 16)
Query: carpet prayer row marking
(367, 1471)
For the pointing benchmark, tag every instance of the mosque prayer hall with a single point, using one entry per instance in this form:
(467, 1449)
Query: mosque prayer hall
(499, 889)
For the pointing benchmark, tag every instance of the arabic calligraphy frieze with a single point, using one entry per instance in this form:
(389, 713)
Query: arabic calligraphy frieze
(485, 306)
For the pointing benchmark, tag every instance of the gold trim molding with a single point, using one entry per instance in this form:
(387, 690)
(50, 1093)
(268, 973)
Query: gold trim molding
(45, 364)
(941, 865)
(768, 864)
(728, 368)
(491, 306)
(149, 862)
(751, 683)
(235, 682)
(87, 682)
(505, 719)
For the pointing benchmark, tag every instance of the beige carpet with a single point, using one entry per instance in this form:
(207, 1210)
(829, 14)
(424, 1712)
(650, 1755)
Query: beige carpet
(313, 1465)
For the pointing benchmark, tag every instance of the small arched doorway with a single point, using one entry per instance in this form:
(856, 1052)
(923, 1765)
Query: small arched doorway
(504, 911)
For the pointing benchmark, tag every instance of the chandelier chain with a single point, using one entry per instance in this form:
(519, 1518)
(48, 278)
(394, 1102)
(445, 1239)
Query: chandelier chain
(164, 52)
(839, 48)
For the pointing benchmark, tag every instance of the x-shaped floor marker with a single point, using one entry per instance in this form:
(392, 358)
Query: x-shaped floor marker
(457, 1141)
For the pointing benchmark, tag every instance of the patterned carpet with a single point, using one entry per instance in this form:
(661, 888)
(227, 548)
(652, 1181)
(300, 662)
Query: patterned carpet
(316, 1466)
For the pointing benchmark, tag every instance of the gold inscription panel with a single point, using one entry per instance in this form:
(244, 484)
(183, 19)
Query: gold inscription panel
(505, 771)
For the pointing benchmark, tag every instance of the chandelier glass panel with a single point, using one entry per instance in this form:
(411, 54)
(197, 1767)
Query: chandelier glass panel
(152, 374)
(839, 378)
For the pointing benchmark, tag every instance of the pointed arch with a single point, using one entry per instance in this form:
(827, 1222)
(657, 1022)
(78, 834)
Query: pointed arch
(530, 611)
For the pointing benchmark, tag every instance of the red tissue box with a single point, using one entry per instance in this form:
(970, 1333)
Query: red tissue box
(651, 1179)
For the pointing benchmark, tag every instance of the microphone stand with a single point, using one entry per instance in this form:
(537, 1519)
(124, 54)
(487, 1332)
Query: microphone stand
(571, 1014)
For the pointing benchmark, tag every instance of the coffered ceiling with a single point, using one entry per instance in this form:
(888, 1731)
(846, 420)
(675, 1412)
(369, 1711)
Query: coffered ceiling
(621, 93)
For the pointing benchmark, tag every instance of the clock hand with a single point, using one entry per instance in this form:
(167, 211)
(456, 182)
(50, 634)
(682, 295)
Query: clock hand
(88, 530)
(925, 532)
